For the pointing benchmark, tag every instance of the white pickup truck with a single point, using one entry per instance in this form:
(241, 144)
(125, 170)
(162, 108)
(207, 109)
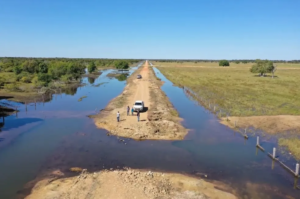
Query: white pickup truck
(138, 106)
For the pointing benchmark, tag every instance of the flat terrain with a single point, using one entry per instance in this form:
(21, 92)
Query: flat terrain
(237, 91)
(271, 105)
(129, 184)
(158, 121)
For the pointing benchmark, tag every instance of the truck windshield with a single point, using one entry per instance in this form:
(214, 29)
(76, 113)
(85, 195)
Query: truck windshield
(138, 103)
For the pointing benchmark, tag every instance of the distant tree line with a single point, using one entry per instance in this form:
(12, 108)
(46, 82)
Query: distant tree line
(233, 60)
(42, 71)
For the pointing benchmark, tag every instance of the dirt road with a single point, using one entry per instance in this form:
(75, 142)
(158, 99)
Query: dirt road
(159, 120)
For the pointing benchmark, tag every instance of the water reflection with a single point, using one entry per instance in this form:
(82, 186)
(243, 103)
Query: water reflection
(122, 77)
(91, 80)
(71, 90)
(17, 123)
(26, 141)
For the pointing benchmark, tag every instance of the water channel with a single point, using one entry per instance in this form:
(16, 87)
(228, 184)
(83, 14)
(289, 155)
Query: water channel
(59, 135)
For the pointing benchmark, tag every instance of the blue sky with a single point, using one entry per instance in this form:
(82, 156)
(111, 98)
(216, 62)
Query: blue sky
(170, 29)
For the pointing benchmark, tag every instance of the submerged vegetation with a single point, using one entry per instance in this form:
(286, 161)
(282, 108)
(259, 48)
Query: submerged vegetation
(235, 90)
(80, 99)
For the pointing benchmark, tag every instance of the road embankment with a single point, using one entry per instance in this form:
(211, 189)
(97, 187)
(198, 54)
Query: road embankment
(159, 120)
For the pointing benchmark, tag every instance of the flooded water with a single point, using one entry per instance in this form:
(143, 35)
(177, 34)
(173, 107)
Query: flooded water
(59, 135)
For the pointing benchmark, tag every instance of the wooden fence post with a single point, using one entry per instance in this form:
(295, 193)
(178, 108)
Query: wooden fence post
(274, 153)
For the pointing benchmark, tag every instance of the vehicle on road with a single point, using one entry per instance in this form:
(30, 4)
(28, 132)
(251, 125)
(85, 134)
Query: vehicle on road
(139, 77)
(138, 106)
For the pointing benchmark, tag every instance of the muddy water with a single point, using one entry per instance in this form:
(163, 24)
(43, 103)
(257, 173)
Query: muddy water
(58, 135)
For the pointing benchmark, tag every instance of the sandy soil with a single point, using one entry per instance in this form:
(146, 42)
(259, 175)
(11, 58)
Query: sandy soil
(128, 184)
(159, 121)
(269, 124)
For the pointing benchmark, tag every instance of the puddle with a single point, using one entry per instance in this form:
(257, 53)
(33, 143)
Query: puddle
(64, 137)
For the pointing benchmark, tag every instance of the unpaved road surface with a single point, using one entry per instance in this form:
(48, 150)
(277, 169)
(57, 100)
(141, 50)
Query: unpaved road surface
(159, 120)
(129, 184)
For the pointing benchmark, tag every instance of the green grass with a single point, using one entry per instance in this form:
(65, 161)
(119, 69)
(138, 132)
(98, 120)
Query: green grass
(237, 91)
(292, 144)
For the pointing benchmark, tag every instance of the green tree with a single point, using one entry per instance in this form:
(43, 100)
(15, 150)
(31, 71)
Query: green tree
(262, 67)
(121, 64)
(18, 70)
(223, 63)
(92, 67)
(30, 66)
(43, 67)
(45, 78)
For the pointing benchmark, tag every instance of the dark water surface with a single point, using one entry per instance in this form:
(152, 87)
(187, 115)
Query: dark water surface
(58, 135)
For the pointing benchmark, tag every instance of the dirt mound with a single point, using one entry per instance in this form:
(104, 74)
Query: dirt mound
(127, 184)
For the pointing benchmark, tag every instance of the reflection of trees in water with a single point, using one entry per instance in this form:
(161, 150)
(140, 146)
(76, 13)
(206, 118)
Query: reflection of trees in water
(70, 90)
(122, 77)
(91, 80)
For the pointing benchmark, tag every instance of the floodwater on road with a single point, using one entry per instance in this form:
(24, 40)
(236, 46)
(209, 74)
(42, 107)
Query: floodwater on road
(59, 135)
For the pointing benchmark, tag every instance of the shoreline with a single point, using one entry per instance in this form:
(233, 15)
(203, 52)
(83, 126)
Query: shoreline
(160, 121)
(271, 124)
(128, 183)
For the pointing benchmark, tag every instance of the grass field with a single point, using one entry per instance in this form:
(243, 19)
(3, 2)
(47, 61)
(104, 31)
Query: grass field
(292, 144)
(237, 91)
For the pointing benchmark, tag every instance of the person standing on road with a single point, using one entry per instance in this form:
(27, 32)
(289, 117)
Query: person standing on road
(128, 109)
(118, 116)
(138, 115)
(132, 111)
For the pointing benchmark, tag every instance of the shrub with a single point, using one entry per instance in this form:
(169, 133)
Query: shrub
(121, 64)
(35, 79)
(66, 78)
(44, 79)
(10, 69)
(223, 63)
(25, 79)
(92, 67)
(2, 81)
(12, 87)
(17, 70)
(24, 76)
